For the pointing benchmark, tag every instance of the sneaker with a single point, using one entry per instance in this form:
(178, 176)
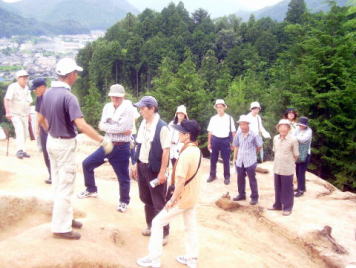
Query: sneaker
(227, 181)
(77, 224)
(86, 194)
(68, 235)
(190, 262)
(146, 232)
(239, 198)
(48, 181)
(286, 212)
(19, 154)
(299, 193)
(148, 262)
(165, 240)
(122, 207)
(210, 179)
(24, 154)
(253, 202)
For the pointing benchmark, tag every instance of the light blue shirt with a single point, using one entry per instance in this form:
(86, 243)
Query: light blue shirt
(247, 146)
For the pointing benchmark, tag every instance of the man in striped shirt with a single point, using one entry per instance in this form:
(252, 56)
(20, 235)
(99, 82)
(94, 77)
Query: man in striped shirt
(246, 143)
(117, 122)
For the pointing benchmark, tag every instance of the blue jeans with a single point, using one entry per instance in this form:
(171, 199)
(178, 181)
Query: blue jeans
(119, 160)
(220, 145)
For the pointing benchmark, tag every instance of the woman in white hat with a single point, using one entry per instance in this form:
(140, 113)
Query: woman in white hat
(180, 115)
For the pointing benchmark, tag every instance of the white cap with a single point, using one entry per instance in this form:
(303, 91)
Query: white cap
(117, 90)
(283, 122)
(66, 66)
(219, 101)
(21, 73)
(255, 104)
(244, 118)
(182, 109)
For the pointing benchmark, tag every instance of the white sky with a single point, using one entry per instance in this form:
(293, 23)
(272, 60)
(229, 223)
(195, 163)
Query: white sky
(215, 8)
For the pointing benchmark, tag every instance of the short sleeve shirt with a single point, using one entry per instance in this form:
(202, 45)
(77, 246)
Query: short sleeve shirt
(60, 107)
(285, 153)
(20, 99)
(247, 145)
(221, 126)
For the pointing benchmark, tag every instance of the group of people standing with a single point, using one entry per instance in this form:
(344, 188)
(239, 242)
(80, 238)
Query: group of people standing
(156, 146)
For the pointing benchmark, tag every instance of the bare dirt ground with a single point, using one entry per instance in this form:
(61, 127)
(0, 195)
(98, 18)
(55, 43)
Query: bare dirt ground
(248, 236)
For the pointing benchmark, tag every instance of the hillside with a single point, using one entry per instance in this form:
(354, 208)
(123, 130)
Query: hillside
(279, 10)
(251, 236)
(11, 24)
(84, 12)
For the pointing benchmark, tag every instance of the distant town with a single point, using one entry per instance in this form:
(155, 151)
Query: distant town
(38, 55)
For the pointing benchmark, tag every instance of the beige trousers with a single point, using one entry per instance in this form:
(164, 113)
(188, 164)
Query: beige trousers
(63, 168)
(20, 124)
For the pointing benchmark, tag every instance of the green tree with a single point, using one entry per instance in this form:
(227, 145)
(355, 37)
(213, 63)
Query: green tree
(296, 11)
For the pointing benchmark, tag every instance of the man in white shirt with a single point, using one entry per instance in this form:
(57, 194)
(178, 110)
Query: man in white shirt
(221, 130)
(17, 102)
(256, 125)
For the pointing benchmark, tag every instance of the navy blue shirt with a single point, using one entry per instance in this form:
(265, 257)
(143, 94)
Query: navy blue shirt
(60, 107)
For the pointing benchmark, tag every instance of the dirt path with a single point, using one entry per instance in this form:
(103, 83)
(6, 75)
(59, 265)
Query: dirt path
(227, 239)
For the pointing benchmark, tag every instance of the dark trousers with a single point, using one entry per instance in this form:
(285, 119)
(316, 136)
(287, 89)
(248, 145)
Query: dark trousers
(153, 198)
(220, 145)
(119, 160)
(241, 180)
(284, 196)
(300, 169)
(43, 139)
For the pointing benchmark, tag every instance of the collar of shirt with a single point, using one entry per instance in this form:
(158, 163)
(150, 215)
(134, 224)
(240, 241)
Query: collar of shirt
(60, 84)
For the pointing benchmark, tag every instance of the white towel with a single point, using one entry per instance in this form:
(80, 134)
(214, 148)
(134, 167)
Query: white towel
(141, 130)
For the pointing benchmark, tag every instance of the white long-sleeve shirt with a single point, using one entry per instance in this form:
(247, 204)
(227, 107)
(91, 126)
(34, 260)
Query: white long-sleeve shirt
(256, 126)
(304, 136)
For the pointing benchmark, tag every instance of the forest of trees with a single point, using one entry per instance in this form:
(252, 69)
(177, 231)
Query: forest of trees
(306, 62)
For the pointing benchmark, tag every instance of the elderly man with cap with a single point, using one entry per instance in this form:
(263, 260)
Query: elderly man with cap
(221, 130)
(60, 114)
(256, 125)
(39, 86)
(17, 102)
(304, 135)
(246, 143)
(152, 154)
(286, 152)
(116, 121)
(186, 178)
(181, 114)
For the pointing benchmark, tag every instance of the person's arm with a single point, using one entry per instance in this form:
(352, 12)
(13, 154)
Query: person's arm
(87, 129)
(42, 121)
(264, 132)
(304, 136)
(236, 150)
(295, 149)
(165, 138)
(7, 109)
(209, 141)
(259, 143)
(235, 144)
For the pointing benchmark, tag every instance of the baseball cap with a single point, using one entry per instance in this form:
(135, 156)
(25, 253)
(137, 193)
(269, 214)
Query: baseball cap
(37, 83)
(66, 66)
(244, 118)
(147, 101)
(188, 126)
(117, 90)
(255, 104)
(220, 101)
(21, 73)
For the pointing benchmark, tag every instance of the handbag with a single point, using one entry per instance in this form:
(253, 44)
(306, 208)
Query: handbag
(171, 187)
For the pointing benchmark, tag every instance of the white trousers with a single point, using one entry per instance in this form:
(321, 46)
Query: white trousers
(163, 218)
(20, 124)
(61, 153)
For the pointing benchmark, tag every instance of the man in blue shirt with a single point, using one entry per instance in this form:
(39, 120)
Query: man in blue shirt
(246, 143)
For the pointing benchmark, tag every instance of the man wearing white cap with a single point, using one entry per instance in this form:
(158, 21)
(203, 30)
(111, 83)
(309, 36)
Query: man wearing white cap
(256, 123)
(17, 102)
(116, 121)
(60, 115)
(246, 143)
(221, 130)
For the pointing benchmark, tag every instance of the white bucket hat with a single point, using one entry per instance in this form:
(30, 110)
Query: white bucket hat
(283, 122)
(21, 73)
(220, 101)
(244, 118)
(255, 104)
(182, 109)
(117, 90)
(66, 66)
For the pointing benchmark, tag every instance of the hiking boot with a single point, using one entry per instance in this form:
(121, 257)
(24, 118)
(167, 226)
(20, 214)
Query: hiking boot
(227, 181)
(86, 194)
(24, 154)
(19, 154)
(239, 198)
(190, 262)
(253, 202)
(48, 181)
(122, 207)
(77, 224)
(211, 178)
(68, 235)
(146, 232)
(148, 262)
